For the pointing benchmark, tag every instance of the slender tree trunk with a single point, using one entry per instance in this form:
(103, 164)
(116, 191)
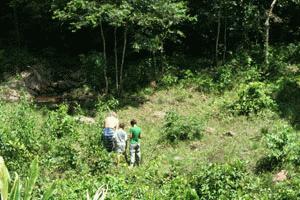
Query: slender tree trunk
(225, 39)
(105, 58)
(267, 36)
(116, 59)
(123, 58)
(154, 64)
(16, 24)
(218, 37)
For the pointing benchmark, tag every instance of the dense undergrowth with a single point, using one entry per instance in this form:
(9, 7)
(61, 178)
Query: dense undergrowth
(186, 152)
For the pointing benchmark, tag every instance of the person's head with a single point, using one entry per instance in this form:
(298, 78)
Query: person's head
(122, 125)
(133, 122)
(112, 114)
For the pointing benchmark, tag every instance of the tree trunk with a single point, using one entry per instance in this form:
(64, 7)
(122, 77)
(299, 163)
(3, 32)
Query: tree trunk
(105, 58)
(267, 36)
(116, 59)
(123, 58)
(225, 39)
(218, 37)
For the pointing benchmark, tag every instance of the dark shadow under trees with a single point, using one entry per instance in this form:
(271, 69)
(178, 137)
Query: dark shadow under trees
(288, 100)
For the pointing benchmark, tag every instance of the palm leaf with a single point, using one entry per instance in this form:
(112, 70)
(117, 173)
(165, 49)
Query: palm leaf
(49, 192)
(4, 180)
(15, 191)
(31, 180)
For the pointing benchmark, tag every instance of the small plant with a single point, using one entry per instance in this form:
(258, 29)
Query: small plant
(19, 138)
(16, 193)
(224, 78)
(168, 80)
(227, 181)
(93, 65)
(283, 145)
(178, 127)
(59, 123)
(253, 98)
(104, 105)
(99, 195)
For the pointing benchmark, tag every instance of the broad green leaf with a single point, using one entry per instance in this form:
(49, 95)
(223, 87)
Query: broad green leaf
(4, 180)
(15, 193)
(49, 192)
(30, 182)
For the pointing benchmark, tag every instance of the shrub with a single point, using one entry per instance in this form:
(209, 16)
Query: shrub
(283, 145)
(104, 105)
(59, 123)
(226, 181)
(15, 192)
(224, 77)
(60, 139)
(253, 97)
(288, 190)
(178, 127)
(168, 80)
(19, 138)
(203, 82)
(93, 65)
(249, 75)
(179, 188)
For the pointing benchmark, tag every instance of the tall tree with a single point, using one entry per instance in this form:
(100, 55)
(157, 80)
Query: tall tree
(149, 23)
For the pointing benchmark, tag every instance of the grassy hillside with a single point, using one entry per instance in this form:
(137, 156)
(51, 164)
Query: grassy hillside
(77, 162)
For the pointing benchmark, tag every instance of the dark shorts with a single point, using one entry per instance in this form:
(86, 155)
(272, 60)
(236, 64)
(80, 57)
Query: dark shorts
(107, 135)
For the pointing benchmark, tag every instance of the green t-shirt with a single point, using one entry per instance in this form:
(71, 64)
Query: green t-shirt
(135, 131)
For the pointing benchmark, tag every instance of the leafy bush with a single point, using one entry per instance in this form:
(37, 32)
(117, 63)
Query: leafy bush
(179, 188)
(253, 98)
(19, 138)
(60, 139)
(59, 123)
(178, 127)
(227, 181)
(283, 145)
(203, 82)
(168, 80)
(225, 77)
(249, 75)
(15, 192)
(288, 190)
(104, 105)
(93, 65)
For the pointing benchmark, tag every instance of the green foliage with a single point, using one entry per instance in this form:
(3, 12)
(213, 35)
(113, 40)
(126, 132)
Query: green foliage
(178, 127)
(225, 77)
(288, 190)
(30, 182)
(287, 98)
(226, 181)
(168, 80)
(59, 124)
(4, 179)
(253, 98)
(283, 145)
(93, 65)
(15, 192)
(60, 131)
(203, 82)
(179, 188)
(19, 140)
(105, 104)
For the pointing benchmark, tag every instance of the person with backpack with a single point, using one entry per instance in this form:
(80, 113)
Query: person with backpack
(111, 124)
(135, 147)
(120, 142)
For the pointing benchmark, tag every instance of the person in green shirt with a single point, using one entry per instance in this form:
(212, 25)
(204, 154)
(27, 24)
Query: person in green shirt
(135, 147)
